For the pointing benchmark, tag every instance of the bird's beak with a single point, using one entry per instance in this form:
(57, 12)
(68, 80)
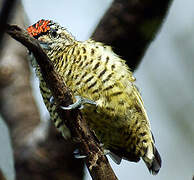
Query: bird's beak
(44, 45)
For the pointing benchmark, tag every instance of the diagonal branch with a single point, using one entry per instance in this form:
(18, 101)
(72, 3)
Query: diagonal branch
(95, 160)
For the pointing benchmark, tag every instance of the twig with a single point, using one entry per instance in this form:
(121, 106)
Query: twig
(95, 160)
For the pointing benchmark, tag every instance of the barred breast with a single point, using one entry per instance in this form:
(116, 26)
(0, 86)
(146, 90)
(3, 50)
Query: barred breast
(93, 71)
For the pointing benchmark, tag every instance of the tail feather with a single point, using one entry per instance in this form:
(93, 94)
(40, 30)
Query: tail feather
(155, 163)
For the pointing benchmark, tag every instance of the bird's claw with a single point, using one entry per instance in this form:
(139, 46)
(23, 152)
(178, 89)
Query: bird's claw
(77, 154)
(80, 101)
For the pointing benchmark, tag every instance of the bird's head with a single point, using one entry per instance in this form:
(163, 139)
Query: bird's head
(50, 34)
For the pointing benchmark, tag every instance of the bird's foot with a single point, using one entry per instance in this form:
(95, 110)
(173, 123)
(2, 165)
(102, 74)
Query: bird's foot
(78, 155)
(80, 101)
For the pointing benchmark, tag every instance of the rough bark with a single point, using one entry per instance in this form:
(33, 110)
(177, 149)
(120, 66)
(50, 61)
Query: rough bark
(130, 25)
(95, 160)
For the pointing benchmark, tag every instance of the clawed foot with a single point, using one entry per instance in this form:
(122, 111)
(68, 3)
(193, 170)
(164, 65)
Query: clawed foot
(80, 101)
(77, 154)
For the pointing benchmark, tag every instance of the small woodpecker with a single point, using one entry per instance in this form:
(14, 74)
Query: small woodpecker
(113, 106)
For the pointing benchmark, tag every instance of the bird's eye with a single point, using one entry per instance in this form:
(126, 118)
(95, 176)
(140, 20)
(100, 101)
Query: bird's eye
(53, 33)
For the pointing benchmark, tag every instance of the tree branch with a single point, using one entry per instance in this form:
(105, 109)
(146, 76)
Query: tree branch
(129, 27)
(95, 160)
(6, 9)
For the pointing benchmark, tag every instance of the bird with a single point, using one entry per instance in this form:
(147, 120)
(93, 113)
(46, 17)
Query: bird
(101, 80)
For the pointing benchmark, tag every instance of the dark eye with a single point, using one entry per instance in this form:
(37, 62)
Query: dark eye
(53, 33)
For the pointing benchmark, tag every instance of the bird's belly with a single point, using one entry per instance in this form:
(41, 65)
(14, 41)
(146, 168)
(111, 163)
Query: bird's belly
(115, 132)
(108, 129)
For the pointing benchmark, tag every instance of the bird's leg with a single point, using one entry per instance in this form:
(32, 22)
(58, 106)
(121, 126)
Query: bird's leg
(80, 101)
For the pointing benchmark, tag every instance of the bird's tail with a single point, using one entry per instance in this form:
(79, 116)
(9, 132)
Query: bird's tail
(153, 160)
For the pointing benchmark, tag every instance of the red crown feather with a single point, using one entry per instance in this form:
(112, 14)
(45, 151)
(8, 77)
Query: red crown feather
(39, 28)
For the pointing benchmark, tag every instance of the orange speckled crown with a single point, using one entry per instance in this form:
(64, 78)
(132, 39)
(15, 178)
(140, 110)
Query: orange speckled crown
(38, 28)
